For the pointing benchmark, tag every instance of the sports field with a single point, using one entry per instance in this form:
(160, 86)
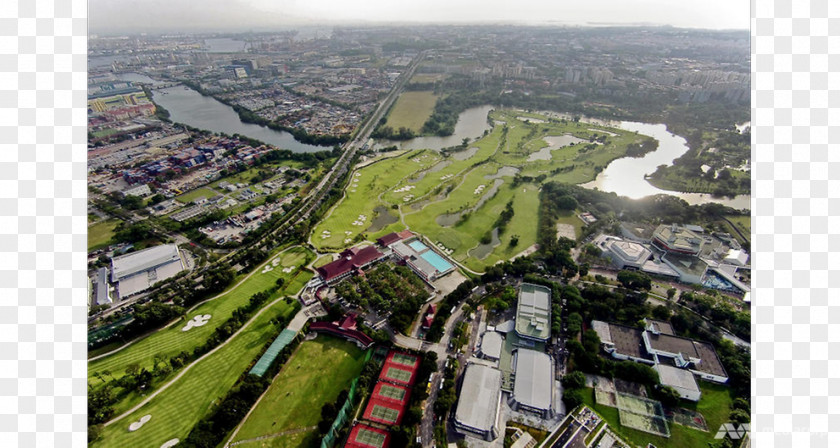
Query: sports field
(389, 391)
(714, 406)
(190, 196)
(385, 413)
(312, 377)
(403, 359)
(456, 202)
(172, 340)
(411, 110)
(178, 408)
(100, 234)
(394, 373)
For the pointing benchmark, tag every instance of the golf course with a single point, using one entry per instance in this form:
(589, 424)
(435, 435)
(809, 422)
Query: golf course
(185, 399)
(161, 345)
(456, 199)
(311, 378)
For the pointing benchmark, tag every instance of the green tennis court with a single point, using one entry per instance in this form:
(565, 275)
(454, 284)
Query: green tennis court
(368, 437)
(383, 413)
(398, 374)
(405, 360)
(392, 392)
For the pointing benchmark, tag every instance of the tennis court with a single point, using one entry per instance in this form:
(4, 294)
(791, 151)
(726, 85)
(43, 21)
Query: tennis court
(605, 398)
(639, 405)
(400, 375)
(383, 413)
(406, 360)
(368, 437)
(392, 392)
(644, 423)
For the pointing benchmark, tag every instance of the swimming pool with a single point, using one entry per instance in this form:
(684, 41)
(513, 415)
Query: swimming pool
(436, 261)
(418, 246)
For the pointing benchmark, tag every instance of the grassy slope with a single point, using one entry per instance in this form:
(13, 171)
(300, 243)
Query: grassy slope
(464, 176)
(411, 110)
(372, 181)
(302, 387)
(177, 409)
(100, 234)
(171, 341)
(714, 405)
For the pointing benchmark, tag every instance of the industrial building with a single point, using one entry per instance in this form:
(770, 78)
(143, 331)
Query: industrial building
(479, 403)
(99, 282)
(491, 345)
(533, 384)
(623, 254)
(533, 312)
(138, 271)
(678, 239)
(657, 344)
(680, 380)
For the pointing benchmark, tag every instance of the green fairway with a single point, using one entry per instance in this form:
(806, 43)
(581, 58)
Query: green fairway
(100, 234)
(312, 377)
(178, 408)
(714, 405)
(411, 110)
(355, 212)
(171, 341)
(190, 196)
(457, 200)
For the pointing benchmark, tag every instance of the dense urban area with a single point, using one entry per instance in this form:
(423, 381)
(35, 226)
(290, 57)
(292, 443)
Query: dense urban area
(424, 236)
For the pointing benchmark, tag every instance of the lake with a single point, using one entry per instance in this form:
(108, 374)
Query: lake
(471, 124)
(626, 176)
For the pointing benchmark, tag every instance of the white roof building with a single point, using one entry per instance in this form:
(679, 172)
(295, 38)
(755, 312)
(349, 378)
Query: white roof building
(534, 381)
(623, 253)
(680, 379)
(136, 272)
(142, 191)
(491, 345)
(479, 403)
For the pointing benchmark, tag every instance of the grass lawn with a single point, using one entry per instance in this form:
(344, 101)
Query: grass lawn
(714, 405)
(422, 78)
(171, 341)
(100, 234)
(426, 191)
(366, 185)
(568, 217)
(296, 440)
(177, 409)
(411, 110)
(302, 387)
(743, 223)
(192, 195)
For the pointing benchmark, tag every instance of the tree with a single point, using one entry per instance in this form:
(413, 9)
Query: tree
(668, 396)
(573, 398)
(574, 380)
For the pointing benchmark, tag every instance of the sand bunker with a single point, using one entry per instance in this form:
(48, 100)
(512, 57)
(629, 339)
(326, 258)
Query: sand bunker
(170, 443)
(196, 321)
(288, 269)
(134, 426)
(360, 221)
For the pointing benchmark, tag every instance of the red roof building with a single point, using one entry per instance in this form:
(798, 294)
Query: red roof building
(352, 260)
(427, 321)
(392, 238)
(345, 328)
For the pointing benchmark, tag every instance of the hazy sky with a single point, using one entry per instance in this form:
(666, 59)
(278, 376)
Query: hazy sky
(110, 16)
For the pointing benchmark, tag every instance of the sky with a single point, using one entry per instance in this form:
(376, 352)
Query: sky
(128, 16)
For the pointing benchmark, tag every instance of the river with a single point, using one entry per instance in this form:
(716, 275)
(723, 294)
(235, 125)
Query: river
(203, 112)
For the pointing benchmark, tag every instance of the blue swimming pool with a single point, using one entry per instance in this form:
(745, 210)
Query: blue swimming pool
(417, 246)
(436, 261)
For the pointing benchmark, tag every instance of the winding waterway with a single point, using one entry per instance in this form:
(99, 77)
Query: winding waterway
(626, 176)
(203, 112)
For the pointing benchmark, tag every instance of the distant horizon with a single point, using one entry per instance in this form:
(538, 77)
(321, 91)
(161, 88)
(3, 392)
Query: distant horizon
(338, 24)
(115, 17)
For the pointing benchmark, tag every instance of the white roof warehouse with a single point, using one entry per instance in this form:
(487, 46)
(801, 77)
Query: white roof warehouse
(136, 272)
